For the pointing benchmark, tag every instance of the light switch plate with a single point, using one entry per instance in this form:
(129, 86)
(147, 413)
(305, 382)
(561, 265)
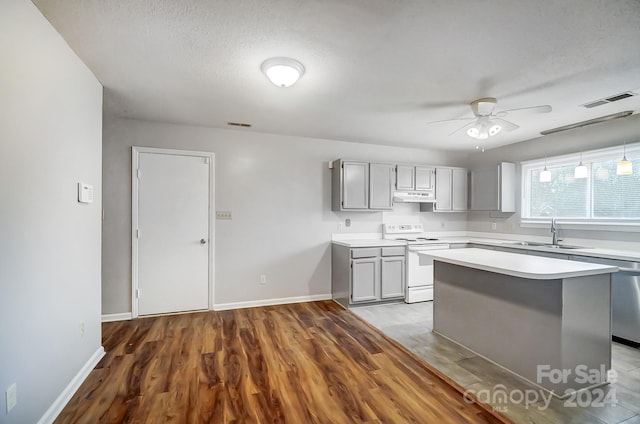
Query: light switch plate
(12, 397)
(85, 193)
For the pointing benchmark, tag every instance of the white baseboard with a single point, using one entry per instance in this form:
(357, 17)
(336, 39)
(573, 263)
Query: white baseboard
(125, 316)
(68, 392)
(270, 302)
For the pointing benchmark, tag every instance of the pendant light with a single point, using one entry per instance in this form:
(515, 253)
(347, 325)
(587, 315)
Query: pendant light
(581, 170)
(625, 167)
(545, 174)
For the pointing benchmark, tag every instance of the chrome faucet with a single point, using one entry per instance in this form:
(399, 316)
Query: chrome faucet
(554, 232)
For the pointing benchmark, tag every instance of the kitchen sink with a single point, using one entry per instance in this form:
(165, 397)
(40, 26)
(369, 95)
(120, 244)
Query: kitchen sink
(537, 244)
(561, 246)
(527, 243)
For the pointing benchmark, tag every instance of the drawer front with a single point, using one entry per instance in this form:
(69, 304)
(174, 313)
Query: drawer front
(419, 294)
(393, 251)
(369, 252)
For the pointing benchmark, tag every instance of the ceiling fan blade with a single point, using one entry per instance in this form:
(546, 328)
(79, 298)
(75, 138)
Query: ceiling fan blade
(531, 109)
(464, 127)
(452, 120)
(508, 126)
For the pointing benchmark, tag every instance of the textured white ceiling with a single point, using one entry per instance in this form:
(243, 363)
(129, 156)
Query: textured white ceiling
(377, 71)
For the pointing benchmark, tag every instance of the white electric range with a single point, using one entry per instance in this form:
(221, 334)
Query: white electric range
(419, 277)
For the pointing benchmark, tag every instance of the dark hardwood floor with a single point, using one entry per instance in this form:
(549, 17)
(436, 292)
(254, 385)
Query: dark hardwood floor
(300, 363)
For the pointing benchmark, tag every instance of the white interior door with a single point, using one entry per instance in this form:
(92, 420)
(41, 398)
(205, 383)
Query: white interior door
(173, 233)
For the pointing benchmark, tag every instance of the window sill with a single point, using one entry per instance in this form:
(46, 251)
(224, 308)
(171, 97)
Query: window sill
(576, 224)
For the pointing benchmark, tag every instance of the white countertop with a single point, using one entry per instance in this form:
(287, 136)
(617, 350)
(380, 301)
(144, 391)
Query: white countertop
(517, 265)
(619, 254)
(370, 243)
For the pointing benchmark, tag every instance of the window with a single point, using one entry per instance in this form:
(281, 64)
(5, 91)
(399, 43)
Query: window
(602, 197)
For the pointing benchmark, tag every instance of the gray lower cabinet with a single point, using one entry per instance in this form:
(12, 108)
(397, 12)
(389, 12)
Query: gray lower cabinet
(367, 275)
(392, 270)
(364, 278)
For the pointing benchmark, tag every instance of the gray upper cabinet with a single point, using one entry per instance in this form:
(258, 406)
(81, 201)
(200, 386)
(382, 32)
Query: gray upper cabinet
(425, 178)
(381, 176)
(405, 177)
(355, 185)
(494, 188)
(415, 178)
(451, 190)
(459, 192)
(444, 178)
(360, 186)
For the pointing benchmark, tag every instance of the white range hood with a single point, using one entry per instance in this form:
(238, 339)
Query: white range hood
(414, 196)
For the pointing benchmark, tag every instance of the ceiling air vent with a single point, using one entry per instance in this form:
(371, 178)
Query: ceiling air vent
(611, 99)
(589, 122)
(239, 124)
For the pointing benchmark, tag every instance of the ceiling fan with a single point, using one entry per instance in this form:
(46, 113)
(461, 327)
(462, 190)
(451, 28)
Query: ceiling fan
(486, 122)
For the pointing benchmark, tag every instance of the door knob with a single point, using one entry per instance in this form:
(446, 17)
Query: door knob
(203, 241)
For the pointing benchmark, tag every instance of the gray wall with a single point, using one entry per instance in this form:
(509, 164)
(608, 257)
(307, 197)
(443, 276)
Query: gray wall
(51, 135)
(588, 138)
(278, 190)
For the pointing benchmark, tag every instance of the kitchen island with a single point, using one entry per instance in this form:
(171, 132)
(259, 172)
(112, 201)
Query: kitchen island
(546, 320)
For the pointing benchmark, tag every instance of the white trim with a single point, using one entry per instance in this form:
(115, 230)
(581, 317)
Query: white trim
(573, 224)
(270, 302)
(61, 401)
(135, 158)
(615, 152)
(587, 222)
(124, 316)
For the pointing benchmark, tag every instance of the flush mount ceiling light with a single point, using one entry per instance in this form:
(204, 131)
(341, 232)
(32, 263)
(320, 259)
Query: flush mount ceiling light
(282, 71)
(625, 167)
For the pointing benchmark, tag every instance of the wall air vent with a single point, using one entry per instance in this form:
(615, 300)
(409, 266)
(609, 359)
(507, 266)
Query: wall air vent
(239, 124)
(610, 99)
(589, 122)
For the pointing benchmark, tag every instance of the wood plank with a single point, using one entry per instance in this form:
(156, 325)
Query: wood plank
(301, 363)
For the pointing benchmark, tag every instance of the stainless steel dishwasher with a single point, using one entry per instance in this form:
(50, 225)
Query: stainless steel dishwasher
(625, 297)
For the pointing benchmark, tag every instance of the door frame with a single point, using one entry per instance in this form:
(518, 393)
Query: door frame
(135, 160)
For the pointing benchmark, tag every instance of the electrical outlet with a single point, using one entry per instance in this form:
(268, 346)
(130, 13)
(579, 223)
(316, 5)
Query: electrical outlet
(494, 226)
(82, 329)
(347, 222)
(223, 214)
(12, 397)
(263, 279)
(442, 224)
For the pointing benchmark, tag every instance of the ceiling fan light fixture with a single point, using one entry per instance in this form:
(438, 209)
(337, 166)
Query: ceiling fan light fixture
(282, 71)
(473, 132)
(495, 129)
